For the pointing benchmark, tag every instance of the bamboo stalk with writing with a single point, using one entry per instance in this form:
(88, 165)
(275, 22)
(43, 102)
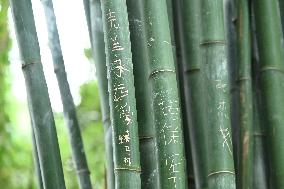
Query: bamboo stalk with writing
(39, 104)
(164, 95)
(98, 49)
(149, 167)
(178, 21)
(221, 172)
(122, 94)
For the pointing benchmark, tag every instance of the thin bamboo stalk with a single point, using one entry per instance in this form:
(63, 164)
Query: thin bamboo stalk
(221, 172)
(177, 6)
(269, 38)
(261, 170)
(36, 163)
(196, 90)
(164, 94)
(39, 104)
(77, 146)
(281, 6)
(122, 94)
(98, 48)
(149, 167)
(245, 97)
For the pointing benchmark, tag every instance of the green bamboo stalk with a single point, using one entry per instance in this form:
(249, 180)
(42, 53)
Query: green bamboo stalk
(164, 94)
(261, 170)
(98, 47)
(281, 6)
(178, 21)
(149, 167)
(245, 97)
(221, 172)
(77, 146)
(196, 90)
(122, 94)
(36, 163)
(269, 38)
(39, 104)
(86, 4)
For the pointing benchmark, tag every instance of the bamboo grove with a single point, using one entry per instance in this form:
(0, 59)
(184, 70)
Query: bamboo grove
(191, 91)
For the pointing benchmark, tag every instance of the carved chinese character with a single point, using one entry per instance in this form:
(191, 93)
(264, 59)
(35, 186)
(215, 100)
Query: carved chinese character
(221, 85)
(127, 161)
(227, 138)
(111, 18)
(120, 92)
(127, 148)
(115, 44)
(126, 113)
(170, 109)
(124, 138)
(119, 67)
(174, 136)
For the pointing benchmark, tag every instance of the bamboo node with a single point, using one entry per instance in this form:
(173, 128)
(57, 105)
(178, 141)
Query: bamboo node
(220, 172)
(267, 68)
(161, 71)
(127, 169)
(25, 65)
(243, 79)
(212, 42)
(83, 171)
(146, 137)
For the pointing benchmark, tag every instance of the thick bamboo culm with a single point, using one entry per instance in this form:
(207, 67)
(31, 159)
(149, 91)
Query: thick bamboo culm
(122, 102)
(77, 147)
(39, 104)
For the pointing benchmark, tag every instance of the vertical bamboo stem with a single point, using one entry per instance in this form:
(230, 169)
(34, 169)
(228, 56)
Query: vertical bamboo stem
(221, 172)
(39, 104)
(122, 94)
(98, 48)
(245, 97)
(164, 94)
(149, 167)
(77, 146)
(269, 38)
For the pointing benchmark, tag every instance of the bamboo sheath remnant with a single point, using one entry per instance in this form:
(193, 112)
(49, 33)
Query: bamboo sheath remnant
(78, 152)
(270, 44)
(39, 104)
(221, 172)
(148, 150)
(164, 95)
(98, 48)
(122, 94)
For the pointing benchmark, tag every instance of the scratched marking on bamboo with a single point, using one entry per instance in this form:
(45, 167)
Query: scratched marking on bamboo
(119, 90)
(222, 109)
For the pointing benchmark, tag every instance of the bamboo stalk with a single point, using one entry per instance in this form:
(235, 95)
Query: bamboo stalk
(149, 168)
(178, 21)
(269, 38)
(122, 94)
(196, 90)
(77, 146)
(260, 176)
(36, 163)
(281, 6)
(221, 172)
(98, 48)
(245, 97)
(164, 94)
(39, 104)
